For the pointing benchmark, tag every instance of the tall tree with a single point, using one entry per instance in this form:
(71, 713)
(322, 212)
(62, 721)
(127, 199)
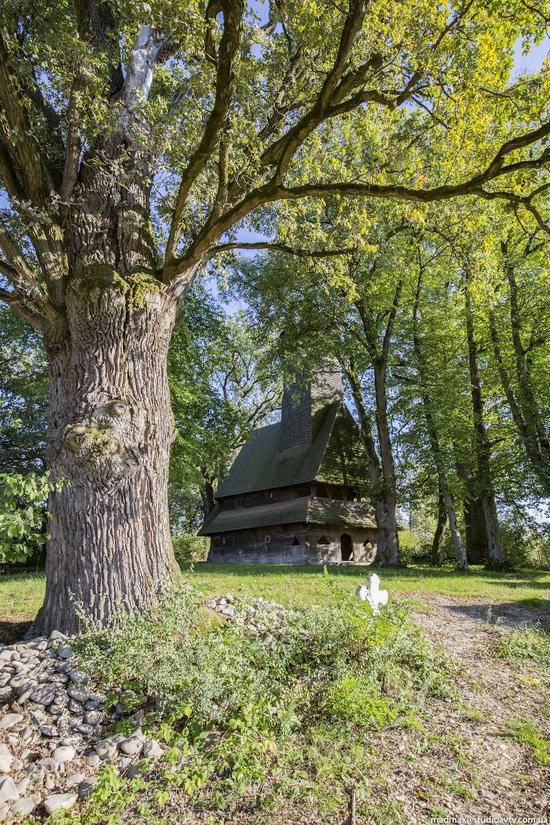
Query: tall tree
(222, 388)
(446, 499)
(135, 139)
(528, 337)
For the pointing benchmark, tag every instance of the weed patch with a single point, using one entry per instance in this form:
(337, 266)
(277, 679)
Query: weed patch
(256, 719)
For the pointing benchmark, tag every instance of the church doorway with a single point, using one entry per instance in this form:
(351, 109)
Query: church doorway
(346, 547)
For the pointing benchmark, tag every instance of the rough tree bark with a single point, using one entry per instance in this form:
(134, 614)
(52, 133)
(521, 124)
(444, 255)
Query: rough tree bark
(476, 530)
(109, 435)
(495, 549)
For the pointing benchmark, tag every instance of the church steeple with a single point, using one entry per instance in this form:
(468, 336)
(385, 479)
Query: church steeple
(300, 403)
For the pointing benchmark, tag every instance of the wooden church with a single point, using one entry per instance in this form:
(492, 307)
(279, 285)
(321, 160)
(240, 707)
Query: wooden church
(293, 494)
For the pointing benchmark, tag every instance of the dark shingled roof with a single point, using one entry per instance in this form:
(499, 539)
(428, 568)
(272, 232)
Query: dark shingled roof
(303, 510)
(335, 456)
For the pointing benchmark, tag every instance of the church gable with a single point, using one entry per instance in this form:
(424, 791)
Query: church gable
(344, 459)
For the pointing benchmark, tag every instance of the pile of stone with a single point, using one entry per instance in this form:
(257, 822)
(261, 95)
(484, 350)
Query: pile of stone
(267, 620)
(51, 723)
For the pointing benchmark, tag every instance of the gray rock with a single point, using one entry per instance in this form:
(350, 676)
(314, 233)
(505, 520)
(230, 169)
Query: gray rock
(49, 764)
(56, 710)
(20, 682)
(78, 694)
(65, 652)
(49, 782)
(8, 790)
(65, 753)
(10, 720)
(133, 745)
(24, 784)
(85, 788)
(24, 697)
(56, 635)
(133, 771)
(44, 696)
(5, 695)
(83, 728)
(26, 733)
(59, 802)
(4, 679)
(74, 706)
(93, 717)
(4, 750)
(5, 764)
(106, 749)
(75, 779)
(152, 749)
(48, 730)
(100, 698)
(25, 807)
(93, 760)
(78, 677)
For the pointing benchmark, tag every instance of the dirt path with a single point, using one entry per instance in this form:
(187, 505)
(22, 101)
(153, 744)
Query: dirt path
(465, 764)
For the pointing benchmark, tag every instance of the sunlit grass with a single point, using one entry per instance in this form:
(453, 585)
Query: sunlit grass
(21, 595)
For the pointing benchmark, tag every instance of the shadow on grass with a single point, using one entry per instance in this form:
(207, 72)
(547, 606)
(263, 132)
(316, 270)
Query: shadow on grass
(11, 632)
(510, 614)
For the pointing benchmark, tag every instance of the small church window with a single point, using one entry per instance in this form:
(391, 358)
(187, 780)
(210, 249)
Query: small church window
(267, 539)
(323, 540)
(295, 541)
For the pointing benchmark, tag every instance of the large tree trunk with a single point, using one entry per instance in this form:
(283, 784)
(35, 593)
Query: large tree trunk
(110, 432)
(476, 530)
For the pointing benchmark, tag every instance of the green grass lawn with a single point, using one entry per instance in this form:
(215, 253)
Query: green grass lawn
(21, 595)
(303, 584)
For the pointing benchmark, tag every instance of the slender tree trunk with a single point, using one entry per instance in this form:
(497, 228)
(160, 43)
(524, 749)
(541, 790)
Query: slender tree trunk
(445, 493)
(109, 436)
(523, 405)
(437, 543)
(207, 495)
(387, 461)
(495, 549)
(388, 539)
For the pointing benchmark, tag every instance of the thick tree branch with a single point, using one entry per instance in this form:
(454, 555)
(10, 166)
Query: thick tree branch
(33, 175)
(280, 247)
(228, 51)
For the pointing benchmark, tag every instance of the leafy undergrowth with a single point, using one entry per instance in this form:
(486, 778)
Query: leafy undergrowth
(526, 644)
(526, 734)
(257, 722)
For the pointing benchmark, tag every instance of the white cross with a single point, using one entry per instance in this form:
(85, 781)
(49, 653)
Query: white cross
(372, 594)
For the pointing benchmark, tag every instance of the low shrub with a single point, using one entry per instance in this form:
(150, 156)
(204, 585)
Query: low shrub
(241, 702)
